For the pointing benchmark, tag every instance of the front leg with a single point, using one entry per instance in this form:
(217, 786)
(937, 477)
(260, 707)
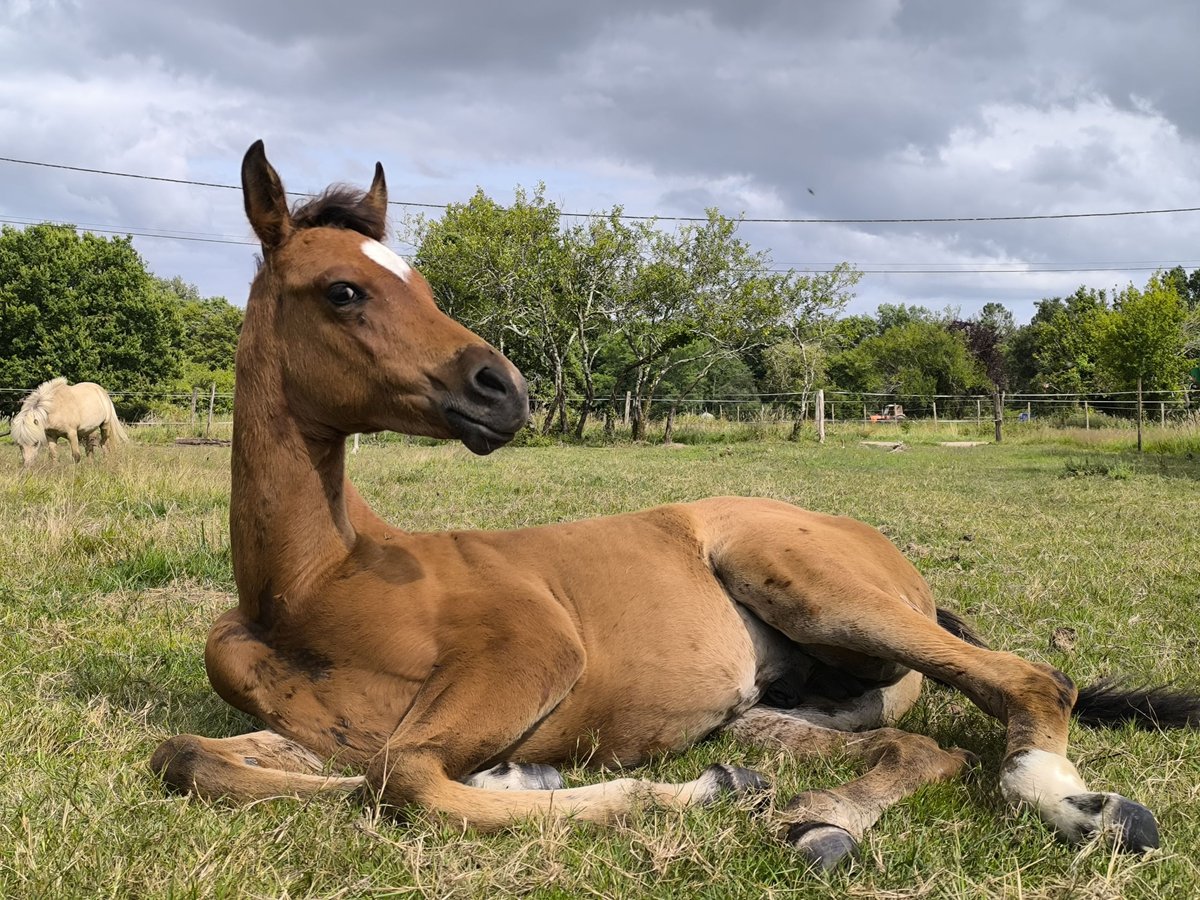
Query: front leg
(491, 687)
(73, 440)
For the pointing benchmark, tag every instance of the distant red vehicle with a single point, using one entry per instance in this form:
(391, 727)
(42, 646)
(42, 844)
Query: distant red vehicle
(893, 412)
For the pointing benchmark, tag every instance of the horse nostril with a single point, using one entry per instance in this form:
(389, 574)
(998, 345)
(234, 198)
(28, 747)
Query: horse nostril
(490, 382)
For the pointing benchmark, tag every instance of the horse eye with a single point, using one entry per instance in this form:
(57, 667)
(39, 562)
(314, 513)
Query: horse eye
(342, 294)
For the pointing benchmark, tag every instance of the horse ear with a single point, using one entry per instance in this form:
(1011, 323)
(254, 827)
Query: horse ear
(265, 199)
(375, 201)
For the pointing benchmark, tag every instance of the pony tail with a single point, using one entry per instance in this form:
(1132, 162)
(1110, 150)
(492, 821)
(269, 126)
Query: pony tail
(115, 428)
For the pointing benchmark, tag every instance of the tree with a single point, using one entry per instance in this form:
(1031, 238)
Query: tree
(1186, 286)
(916, 360)
(702, 295)
(1060, 347)
(208, 340)
(83, 307)
(893, 315)
(987, 336)
(499, 270)
(1143, 339)
(812, 304)
(599, 267)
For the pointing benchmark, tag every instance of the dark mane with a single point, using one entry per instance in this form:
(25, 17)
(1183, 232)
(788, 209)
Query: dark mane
(341, 206)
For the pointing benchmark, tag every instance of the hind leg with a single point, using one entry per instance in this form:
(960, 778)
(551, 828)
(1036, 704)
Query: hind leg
(826, 826)
(247, 767)
(825, 601)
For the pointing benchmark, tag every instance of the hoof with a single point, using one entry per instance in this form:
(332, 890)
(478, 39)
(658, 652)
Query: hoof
(509, 776)
(1131, 825)
(824, 847)
(734, 780)
(972, 765)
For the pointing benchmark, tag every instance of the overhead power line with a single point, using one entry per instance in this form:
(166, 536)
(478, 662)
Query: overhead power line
(906, 220)
(816, 269)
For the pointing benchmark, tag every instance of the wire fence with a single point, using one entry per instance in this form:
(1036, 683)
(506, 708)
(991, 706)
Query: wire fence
(205, 407)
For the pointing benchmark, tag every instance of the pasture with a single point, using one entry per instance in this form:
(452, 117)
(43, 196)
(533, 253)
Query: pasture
(1080, 555)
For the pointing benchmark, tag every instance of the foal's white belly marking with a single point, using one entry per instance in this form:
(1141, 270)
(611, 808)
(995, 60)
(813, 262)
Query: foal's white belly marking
(387, 258)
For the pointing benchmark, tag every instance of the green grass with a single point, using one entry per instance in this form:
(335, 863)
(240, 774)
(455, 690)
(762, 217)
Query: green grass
(112, 571)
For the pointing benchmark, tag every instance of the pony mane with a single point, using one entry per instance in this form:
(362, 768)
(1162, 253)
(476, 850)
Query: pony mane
(29, 424)
(42, 394)
(341, 206)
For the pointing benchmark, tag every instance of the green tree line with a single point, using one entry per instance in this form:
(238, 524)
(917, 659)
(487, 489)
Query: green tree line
(86, 307)
(599, 309)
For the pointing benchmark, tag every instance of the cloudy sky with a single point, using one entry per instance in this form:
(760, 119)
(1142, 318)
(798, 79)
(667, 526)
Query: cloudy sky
(771, 109)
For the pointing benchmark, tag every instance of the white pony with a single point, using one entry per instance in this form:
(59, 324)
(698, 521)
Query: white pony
(57, 409)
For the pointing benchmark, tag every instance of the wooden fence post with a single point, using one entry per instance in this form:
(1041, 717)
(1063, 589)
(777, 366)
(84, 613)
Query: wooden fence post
(978, 411)
(998, 403)
(1087, 416)
(212, 399)
(934, 412)
(1139, 398)
(1162, 413)
(820, 416)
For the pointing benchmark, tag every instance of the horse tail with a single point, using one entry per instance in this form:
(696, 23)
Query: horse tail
(959, 627)
(1111, 701)
(113, 424)
(1115, 702)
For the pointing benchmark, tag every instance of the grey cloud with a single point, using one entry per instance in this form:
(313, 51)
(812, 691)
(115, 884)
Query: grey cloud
(666, 109)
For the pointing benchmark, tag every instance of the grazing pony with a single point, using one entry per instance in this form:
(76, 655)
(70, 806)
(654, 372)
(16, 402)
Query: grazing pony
(452, 670)
(56, 409)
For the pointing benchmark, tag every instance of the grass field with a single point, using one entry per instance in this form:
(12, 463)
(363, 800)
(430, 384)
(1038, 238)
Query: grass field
(111, 572)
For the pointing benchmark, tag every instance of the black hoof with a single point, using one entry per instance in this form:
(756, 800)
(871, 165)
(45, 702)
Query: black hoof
(825, 847)
(1132, 825)
(972, 768)
(735, 780)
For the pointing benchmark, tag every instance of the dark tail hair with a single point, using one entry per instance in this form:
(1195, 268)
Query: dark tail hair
(1114, 702)
(959, 627)
(1110, 701)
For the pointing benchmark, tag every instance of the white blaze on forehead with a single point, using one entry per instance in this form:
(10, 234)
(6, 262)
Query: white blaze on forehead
(387, 258)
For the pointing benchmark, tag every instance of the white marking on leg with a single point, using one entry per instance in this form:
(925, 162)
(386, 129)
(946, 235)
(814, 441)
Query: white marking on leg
(387, 258)
(1044, 780)
(516, 777)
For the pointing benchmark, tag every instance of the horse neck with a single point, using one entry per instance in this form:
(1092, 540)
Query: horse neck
(287, 514)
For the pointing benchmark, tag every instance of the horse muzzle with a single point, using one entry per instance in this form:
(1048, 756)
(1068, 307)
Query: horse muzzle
(492, 404)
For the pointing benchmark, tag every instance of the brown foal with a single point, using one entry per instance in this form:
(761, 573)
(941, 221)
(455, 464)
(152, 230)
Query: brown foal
(453, 670)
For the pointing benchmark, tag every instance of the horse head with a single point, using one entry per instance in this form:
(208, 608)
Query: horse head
(361, 345)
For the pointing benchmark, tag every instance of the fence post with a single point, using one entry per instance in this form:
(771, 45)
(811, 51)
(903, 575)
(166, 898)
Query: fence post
(934, 412)
(212, 399)
(1087, 416)
(978, 411)
(625, 421)
(1162, 413)
(195, 397)
(997, 402)
(1139, 414)
(820, 416)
